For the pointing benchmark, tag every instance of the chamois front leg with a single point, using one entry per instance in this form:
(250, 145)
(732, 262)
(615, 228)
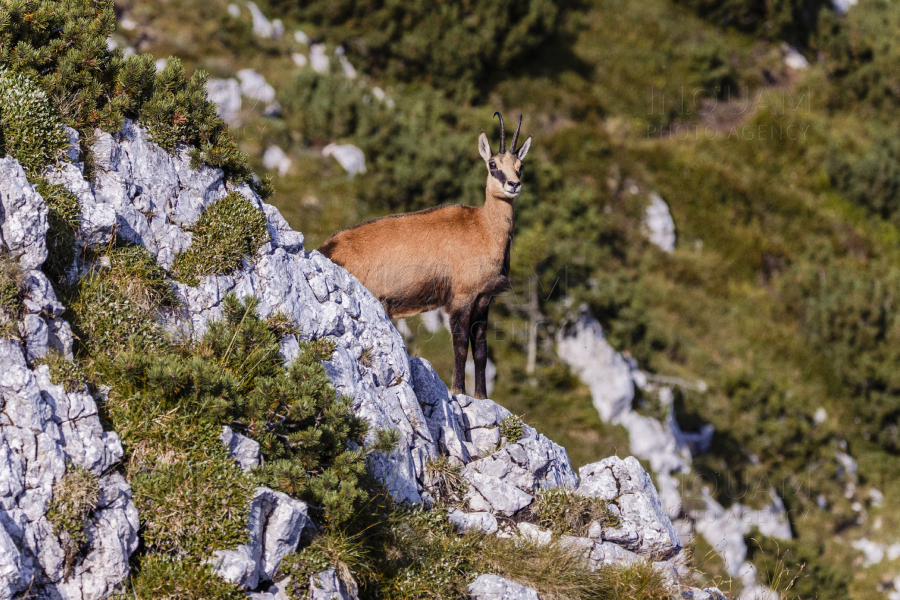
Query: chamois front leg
(459, 329)
(479, 343)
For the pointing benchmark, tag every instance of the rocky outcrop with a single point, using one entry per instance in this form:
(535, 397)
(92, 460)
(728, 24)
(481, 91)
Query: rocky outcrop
(47, 431)
(152, 198)
(645, 528)
(659, 224)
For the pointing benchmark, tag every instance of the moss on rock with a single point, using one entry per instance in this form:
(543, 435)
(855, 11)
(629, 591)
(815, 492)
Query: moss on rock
(63, 371)
(228, 230)
(63, 218)
(75, 496)
(12, 294)
(30, 130)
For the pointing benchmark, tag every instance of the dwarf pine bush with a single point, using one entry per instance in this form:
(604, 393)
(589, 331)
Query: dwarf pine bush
(61, 47)
(235, 375)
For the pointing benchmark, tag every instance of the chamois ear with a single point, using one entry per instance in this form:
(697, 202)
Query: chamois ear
(524, 149)
(484, 146)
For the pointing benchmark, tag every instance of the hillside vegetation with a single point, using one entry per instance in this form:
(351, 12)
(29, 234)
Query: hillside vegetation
(784, 186)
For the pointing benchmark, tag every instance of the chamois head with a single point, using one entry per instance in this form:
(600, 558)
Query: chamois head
(504, 168)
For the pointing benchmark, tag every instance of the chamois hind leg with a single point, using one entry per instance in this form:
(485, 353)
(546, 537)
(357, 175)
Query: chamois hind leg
(479, 343)
(459, 329)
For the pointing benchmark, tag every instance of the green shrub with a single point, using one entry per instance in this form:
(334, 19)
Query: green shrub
(848, 318)
(235, 375)
(512, 428)
(30, 131)
(63, 220)
(160, 578)
(792, 20)
(116, 305)
(194, 503)
(419, 154)
(12, 296)
(178, 112)
(457, 46)
(873, 179)
(75, 496)
(862, 60)
(61, 46)
(792, 561)
(228, 230)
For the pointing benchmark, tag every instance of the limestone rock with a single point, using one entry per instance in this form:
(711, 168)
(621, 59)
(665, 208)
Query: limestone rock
(275, 524)
(318, 60)
(23, 217)
(534, 534)
(529, 465)
(42, 428)
(493, 587)
(442, 413)
(659, 224)
(274, 159)
(599, 553)
(328, 586)
(646, 529)
(348, 156)
(475, 521)
(242, 449)
(226, 95)
(488, 493)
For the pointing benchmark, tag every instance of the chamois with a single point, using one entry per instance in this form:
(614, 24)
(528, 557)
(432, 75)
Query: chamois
(455, 257)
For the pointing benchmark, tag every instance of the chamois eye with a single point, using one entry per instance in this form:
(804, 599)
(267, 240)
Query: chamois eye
(493, 165)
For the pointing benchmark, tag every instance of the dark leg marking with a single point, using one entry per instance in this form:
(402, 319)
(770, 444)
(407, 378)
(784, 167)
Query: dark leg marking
(479, 343)
(459, 329)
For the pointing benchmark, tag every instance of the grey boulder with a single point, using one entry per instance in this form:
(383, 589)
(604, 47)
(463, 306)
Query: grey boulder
(275, 523)
(646, 528)
(475, 521)
(493, 587)
(328, 586)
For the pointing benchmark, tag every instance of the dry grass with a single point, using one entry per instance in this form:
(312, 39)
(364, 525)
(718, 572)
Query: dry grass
(444, 481)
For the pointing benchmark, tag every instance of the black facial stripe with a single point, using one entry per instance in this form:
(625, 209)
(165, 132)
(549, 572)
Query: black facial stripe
(498, 175)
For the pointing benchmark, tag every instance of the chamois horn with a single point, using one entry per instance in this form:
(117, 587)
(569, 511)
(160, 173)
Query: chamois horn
(502, 133)
(516, 135)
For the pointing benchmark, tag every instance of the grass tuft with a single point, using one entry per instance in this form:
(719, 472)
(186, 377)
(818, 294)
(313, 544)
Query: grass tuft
(512, 428)
(567, 513)
(159, 578)
(63, 220)
(444, 481)
(115, 304)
